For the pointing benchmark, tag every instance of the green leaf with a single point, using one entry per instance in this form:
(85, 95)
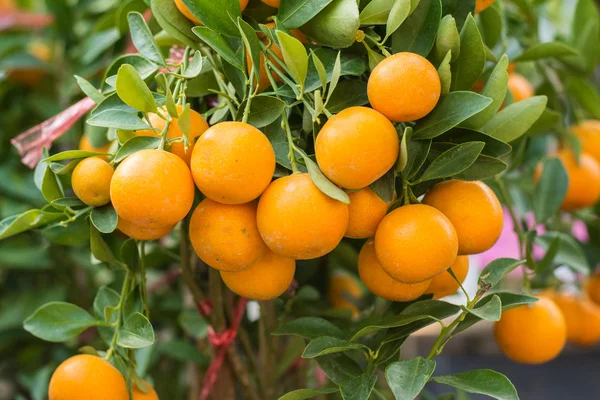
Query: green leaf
(295, 56)
(320, 68)
(174, 23)
(194, 68)
(136, 333)
(100, 249)
(58, 322)
(453, 161)
(350, 64)
(549, 257)
(51, 189)
(104, 218)
(118, 119)
(144, 67)
(376, 12)
(418, 32)
(89, 90)
(495, 88)
(491, 22)
(339, 368)
(74, 233)
(550, 190)
(326, 345)
(136, 144)
(398, 14)
(193, 324)
(336, 25)
(264, 110)
(252, 47)
(217, 15)
(448, 39)
(417, 150)
(490, 311)
(105, 297)
(484, 167)
(546, 50)
(359, 388)
(585, 93)
(516, 119)
(384, 187)
(218, 43)
(482, 381)
(347, 93)
(460, 9)
(452, 109)
(309, 328)
(445, 73)
(72, 154)
(496, 270)
(570, 252)
(321, 181)
(407, 378)
(295, 13)
(142, 38)
(133, 90)
(493, 147)
(67, 202)
(469, 65)
(403, 156)
(303, 394)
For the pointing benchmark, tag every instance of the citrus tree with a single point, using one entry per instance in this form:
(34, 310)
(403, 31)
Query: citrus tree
(292, 154)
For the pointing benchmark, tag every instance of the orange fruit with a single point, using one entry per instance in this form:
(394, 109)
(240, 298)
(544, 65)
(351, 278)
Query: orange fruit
(582, 317)
(584, 180)
(482, 5)
(366, 211)
(588, 133)
(87, 377)
(414, 243)
(264, 78)
(86, 145)
(197, 127)
(344, 291)
(188, 14)
(298, 221)
(149, 395)
(444, 284)
(272, 3)
(225, 236)
(473, 209)
(356, 147)
(91, 181)
(266, 279)
(519, 87)
(592, 288)
(532, 334)
(153, 188)
(380, 283)
(297, 33)
(142, 231)
(404, 87)
(233, 163)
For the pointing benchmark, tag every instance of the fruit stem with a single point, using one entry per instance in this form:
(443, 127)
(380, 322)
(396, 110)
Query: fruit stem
(120, 306)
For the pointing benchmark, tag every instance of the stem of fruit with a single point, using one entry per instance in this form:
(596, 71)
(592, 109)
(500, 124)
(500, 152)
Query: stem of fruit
(143, 289)
(251, 94)
(124, 290)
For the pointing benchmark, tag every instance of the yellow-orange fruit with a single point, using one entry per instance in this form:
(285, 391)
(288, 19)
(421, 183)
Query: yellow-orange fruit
(532, 334)
(87, 377)
(473, 209)
(266, 279)
(233, 163)
(225, 236)
(366, 211)
(344, 291)
(482, 5)
(380, 283)
(519, 87)
(414, 243)
(143, 232)
(588, 133)
(592, 288)
(356, 147)
(152, 187)
(91, 181)
(297, 220)
(582, 317)
(404, 87)
(444, 284)
(197, 127)
(149, 395)
(188, 14)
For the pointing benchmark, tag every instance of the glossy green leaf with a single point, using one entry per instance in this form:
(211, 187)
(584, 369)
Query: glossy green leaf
(89, 90)
(136, 144)
(339, 368)
(321, 181)
(309, 328)
(398, 14)
(336, 25)
(174, 23)
(133, 90)
(72, 154)
(359, 388)
(194, 67)
(264, 110)
(417, 154)
(100, 249)
(142, 38)
(376, 12)
(471, 61)
(453, 161)
(546, 50)
(407, 378)
(326, 345)
(485, 167)
(303, 394)
(445, 73)
(217, 42)
(482, 381)
(460, 9)
(493, 147)
(51, 189)
(59, 322)
(118, 119)
(104, 218)
(105, 297)
(295, 13)
(550, 189)
(496, 270)
(347, 93)
(513, 121)
(448, 39)
(384, 187)
(217, 15)
(418, 32)
(350, 64)
(136, 333)
(490, 311)
(295, 56)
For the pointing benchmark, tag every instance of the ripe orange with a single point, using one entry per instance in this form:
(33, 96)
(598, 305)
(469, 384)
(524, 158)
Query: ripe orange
(473, 209)
(142, 231)
(272, 3)
(532, 334)
(91, 181)
(149, 395)
(482, 5)
(380, 283)
(582, 317)
(414, 243)
(444, 284)
(86, 145)
(225, 236)
(264, 79)
(366, 211)
(266, 279)
(404, 87)
(344, 291)
(87, 377)
(297, 33)
(297, 220)
(233, 163)
(356, 147)
(592, 288)
(153, 188)
(185, 11)
(197, 127)
(519, 87)
(588, 132)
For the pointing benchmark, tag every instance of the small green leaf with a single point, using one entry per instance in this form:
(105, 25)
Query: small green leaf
(384, 187)
(484, 167)
(398, 14)
(453, 161)
(309, 328)
(105, 297)
(72, 154)
(295, 56)
(359, 388)
(51, 189)
(493, 147)
(326, 345)
(482, 381)
(263, 110)
(220, 45)
(136, 333)
(142, 38)
(546, 50)
(448, 39)
(194, 68)
(136, 144)
(490, 311)
(118, 119)
(59, 322)
(184, 121)
(144, 67)
(133, 90)
(407, 378)
(303, 394)
(348, 93)
(469, 65)
(295, 13)
(335, 75)
(418, 32)
(550, 190)
(417, 150)
(376, 12)
(445, 73)
(516, 119)
(321, 181)
(219, 16)
(252, 46)
(320, 68)
(104, 218)
(496, 270)
(100, 249)
(403, 156)
(89, 90)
